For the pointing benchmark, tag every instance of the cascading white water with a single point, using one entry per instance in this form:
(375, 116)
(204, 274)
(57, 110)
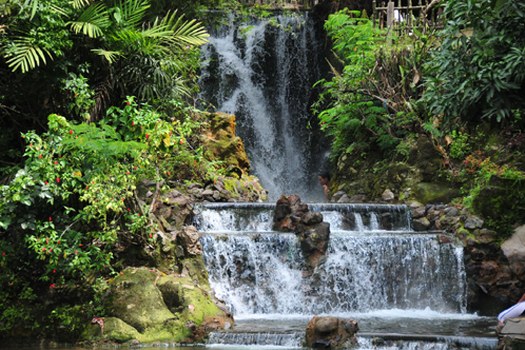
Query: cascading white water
(257, 271)
(376, 270)
(263, 71)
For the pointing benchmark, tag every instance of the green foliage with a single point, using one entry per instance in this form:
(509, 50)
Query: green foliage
(81, 95)
(369, 105)
(459, 146)
(34, 37)
(74, 204)
(476, 73)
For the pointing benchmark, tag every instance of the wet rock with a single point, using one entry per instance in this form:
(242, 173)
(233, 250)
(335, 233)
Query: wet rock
(418, 212)
(421, 224)
(337, 195)
(331, 333)
(189, 239)
(357, 198)
(344, 199)
(291, 215)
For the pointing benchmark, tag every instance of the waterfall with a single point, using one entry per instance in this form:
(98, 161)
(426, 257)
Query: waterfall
(262, 71)
(367, 267)
(376, 270)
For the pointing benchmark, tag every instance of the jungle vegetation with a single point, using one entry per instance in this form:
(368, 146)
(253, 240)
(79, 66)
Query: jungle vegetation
(97, 95)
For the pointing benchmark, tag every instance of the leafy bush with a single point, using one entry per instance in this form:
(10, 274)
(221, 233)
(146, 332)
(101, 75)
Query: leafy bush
(370, 104)
(477, 71)
(73, 205)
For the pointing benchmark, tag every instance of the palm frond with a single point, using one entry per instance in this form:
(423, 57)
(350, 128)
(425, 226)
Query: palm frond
(25, 55)
(33, 5)
(133, 11)
(92, 21)
(58, 9)
(110, 56)
(185, 32)
(78, 4)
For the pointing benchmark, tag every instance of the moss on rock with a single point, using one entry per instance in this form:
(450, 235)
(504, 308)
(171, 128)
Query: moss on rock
(135, 299)
(149, 306)
(426, 192)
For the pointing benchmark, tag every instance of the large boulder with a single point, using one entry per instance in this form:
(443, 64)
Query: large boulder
(514, 250)
(331, 332)
(145, 305)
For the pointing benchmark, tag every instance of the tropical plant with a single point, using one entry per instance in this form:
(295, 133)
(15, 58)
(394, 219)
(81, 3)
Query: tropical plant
(370, 104)
(477, 72)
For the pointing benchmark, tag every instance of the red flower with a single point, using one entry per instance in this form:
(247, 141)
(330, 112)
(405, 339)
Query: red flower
(147, 136)
(3, 254)
(58, 180)
(80, 245)
(44, 249)
(40, 156)
(70, 132)
(50, 219)
(181, 141)
(55, 162)
(54, 271)
(45, 182)
(59, 241)
(132, 123)
(52, 286)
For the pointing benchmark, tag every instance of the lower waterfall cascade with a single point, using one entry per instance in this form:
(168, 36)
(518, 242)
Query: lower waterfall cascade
(407, 288)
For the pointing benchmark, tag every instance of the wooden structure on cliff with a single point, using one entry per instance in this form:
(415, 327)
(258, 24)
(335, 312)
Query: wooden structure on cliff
(404, 15)
(282, 4)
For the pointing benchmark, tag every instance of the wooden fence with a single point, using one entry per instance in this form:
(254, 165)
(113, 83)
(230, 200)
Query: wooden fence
(404, 15)
(282, 4)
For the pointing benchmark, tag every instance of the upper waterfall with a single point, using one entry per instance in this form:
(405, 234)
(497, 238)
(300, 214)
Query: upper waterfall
(263, 71)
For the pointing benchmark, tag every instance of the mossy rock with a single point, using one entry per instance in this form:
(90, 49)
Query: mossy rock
(151, 306)
(221, 143)
(501, 203)
(426, 192)
(135, 299)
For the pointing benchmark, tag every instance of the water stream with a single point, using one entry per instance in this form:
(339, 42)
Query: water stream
(377, 270)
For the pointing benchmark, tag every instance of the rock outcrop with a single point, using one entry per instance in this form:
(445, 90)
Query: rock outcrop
(331, 333)
(145, 305)
(291, 215)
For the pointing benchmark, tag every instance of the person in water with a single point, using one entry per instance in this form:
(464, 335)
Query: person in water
(324, 181)
(513, 311)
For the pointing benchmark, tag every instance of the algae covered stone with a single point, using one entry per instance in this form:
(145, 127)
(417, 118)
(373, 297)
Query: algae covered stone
(135, 298)
(148, 305)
